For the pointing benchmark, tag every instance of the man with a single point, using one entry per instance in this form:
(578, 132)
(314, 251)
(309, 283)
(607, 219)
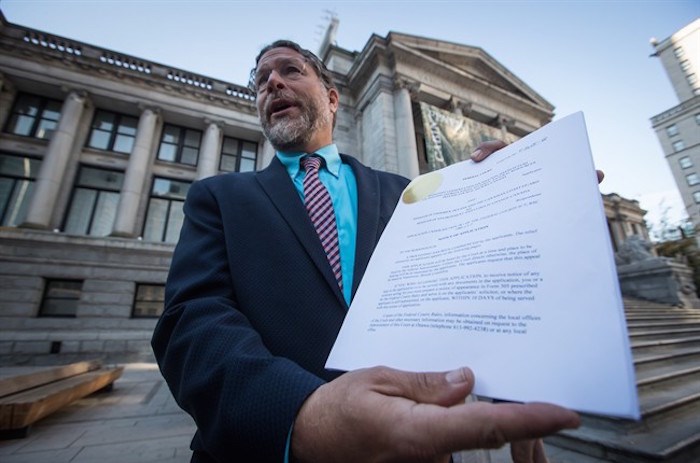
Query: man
(255, 298)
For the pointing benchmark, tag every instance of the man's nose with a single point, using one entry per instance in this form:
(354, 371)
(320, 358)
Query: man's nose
(274, 80)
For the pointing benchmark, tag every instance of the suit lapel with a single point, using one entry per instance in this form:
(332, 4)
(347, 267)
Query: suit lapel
(276, 183)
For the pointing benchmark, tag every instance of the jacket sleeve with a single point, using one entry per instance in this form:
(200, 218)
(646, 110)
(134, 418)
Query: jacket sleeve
(243, 399)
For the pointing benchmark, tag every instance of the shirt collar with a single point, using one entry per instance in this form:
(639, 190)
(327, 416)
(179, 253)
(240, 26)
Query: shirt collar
(290, 159)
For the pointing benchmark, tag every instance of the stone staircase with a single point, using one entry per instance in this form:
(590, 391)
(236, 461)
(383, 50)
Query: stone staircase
(665, 344)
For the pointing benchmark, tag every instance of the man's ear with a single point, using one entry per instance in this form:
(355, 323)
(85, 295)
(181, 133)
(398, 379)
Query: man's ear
(333, 99)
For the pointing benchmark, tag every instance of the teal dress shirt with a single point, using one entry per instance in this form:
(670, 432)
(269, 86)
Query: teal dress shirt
(340, 182)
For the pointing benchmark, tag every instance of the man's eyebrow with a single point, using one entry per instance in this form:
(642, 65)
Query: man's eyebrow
(285, 60)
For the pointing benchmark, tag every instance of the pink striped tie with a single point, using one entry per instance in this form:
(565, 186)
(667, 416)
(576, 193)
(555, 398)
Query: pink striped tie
(320, 209)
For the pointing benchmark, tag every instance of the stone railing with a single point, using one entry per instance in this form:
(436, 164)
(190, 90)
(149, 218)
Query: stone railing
(18, 37)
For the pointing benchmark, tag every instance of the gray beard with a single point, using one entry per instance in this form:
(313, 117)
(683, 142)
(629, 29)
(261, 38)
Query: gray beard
(289, 133)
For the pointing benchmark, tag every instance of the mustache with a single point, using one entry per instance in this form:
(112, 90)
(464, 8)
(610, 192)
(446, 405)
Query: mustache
(279, 95)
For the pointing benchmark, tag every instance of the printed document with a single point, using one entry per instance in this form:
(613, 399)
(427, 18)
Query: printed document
(504, 266)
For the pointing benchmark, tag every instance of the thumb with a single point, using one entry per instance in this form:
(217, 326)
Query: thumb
(444, 389)
(485, 149)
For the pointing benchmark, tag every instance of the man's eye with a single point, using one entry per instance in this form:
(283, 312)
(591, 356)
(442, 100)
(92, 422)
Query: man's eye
(261, 79)
(292, 70)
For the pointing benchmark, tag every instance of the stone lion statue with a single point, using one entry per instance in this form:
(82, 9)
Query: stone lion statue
(634, 249)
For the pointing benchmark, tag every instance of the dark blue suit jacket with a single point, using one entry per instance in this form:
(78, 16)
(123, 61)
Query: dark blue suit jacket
(252, 308)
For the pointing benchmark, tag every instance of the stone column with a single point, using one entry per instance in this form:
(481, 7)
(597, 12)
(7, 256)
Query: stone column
(55, 162)
(504, 124)
(406, 150)
(207, 165)
(135, 176)
(7, 94)
(268, 152)
(460, 107)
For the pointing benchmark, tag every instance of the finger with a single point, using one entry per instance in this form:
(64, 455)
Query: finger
(539, 455)
(523, 451)
(484, 425)
(444, 389)
(485, 149)
(600, 174)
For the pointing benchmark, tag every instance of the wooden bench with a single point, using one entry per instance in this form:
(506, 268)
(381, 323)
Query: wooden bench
(27, 398)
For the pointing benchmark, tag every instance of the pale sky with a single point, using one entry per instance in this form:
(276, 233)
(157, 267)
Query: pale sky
(590, 56)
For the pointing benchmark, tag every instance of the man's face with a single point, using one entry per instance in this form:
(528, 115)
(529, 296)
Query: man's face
(295, 109)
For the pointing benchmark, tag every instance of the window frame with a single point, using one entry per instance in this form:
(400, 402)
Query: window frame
(116, 125)
(696, 197)
(238, 156)
(672, 130)
(47, 287)
(685, 165)
(678, 146)
(151, 196)
(180, 145)
(99, 190)
(15, 179)
(136, 300)
(695, 179)
(41, 108)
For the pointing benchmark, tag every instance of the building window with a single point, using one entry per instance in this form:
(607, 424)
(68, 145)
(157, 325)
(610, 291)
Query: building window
(679, 52)
(696, 196)
(685, 162)
(112, 132)
(165, 216)
(685, 65)
(678, 146)
(34, 116)
(179, 144)
(17, 175)
(94, 203)
(672, 130)
(238, 155)
(697, 118)
(61, 298)
(149, 301)
(692, 79)
(692, 179)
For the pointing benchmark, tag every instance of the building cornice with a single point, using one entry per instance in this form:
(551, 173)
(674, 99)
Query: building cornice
(679, 110)
(25, 43)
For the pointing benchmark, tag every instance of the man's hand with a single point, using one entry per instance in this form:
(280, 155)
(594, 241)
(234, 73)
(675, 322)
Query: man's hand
(487, 148)
(380, 414)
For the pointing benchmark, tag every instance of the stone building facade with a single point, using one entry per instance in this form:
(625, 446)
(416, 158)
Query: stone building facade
(678, 128)
(98, 150)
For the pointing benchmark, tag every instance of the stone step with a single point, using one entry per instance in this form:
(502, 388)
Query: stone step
(663, 398)
(632, 317)
(663, 333)
(661, 324)
(665, 344)
(640, 303)
(660, 346)
(646, 372)
(676, 440)
(681, 356)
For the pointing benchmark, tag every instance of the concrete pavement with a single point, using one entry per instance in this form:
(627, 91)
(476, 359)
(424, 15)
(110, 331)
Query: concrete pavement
(137, 422)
